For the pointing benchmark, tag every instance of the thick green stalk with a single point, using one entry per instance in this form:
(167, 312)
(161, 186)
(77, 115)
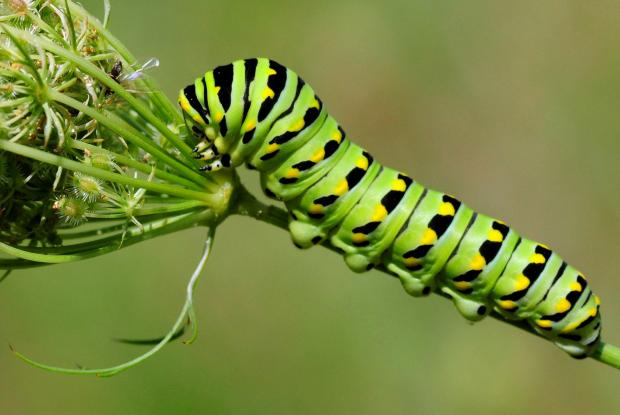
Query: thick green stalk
(248, 205)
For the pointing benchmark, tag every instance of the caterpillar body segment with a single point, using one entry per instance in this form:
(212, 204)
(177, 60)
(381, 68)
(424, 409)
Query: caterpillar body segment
(369, 228)
(258, 112)
(316, 212)
(423, 246)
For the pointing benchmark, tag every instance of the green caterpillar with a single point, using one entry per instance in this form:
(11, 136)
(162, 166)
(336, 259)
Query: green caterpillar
(259, 112)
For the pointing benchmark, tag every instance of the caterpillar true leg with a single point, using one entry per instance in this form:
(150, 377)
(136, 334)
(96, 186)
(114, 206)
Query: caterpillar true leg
(258, 112)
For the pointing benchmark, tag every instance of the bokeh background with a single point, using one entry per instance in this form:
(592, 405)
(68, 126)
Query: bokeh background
(512, 106)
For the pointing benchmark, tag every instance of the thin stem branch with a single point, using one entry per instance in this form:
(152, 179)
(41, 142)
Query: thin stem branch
(43, 156)
(133, 235)
(248, 205)
(130, 162)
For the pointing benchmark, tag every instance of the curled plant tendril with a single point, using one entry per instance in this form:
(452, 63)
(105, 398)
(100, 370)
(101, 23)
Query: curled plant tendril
(148, 342)
(187, 312)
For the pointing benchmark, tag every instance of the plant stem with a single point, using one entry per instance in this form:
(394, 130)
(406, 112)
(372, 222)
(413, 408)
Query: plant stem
(45, 157)
(248, 205)
(96, 248)
(142, 167)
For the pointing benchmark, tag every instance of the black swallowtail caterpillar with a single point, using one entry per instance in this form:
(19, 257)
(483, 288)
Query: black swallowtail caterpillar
(259, 112)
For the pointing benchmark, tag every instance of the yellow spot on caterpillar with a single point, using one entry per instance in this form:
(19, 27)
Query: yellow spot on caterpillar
(575, 286)
(571, 326)
(412, 262)
(341, 188)
(219, 116)
(318, 155)
(495, 236)
(446, 209)
(399, 185)
(315, 104)
(522, 282)
(272, 147)
(537, 259)
(462, 285)
(337, 135)
(299, 124)
(268, 92)
(362, 163)
(429, 237)
(359, 238)
(380, 213)
(292, 174)
(477, 263)
(198, 119)
(544, 323)
(271, 71)
(597, 300)
(217, 89)
(544, 246)
(250, 125)
(563, 305)
(507, 304)
(184, 103)
(593, 311)
(316, 209)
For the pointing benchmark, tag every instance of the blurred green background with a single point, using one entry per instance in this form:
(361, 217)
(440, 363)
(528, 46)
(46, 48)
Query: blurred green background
(512, 106)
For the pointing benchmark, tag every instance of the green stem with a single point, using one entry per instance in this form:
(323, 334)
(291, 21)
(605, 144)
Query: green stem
(248, 205)
(119, 213)
(12, 103)
(100, 247)
(608, 354)
(142, 167)
(68, 234)
(45, 157)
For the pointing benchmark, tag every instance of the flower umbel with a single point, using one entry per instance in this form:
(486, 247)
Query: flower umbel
(93, 156)
(80, 120)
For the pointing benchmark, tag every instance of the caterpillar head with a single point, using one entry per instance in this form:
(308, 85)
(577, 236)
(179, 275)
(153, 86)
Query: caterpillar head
(196, 118)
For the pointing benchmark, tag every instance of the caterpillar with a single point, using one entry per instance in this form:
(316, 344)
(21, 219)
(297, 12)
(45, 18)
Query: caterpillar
(258, 112)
